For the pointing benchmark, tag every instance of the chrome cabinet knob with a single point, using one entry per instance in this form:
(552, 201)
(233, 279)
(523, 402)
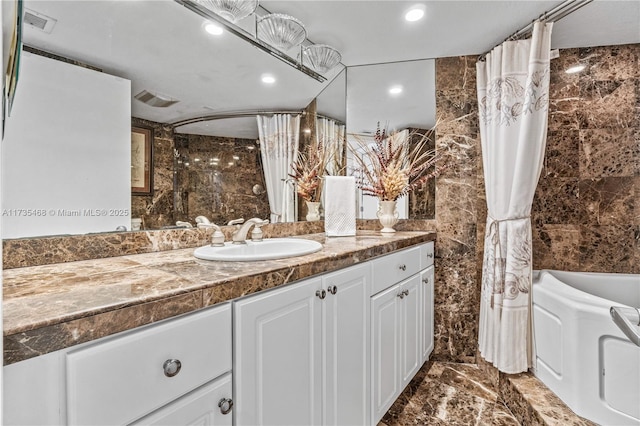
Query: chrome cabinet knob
(430, 255)
(321, 294)
(225, 405)
(405, 292)
(402, 267)
(401, 295)
(171, 367)
(332, 289)
(425, 280)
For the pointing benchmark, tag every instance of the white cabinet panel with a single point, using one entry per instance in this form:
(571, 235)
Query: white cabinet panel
(197, 408)
(346, 346)
(385, 354)
(427, 285)
(277, 363)
(395, 267)
(411, 359)
(118, 380)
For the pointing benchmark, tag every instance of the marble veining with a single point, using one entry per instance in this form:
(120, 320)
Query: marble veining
(51, 307)
(449, 394)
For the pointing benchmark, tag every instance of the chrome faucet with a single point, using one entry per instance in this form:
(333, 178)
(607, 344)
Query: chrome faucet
(240, 234)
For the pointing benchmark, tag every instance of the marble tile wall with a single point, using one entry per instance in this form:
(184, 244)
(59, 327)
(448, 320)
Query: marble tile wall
(216, 177)
(586, 211)
(459, 210)
(156, 210)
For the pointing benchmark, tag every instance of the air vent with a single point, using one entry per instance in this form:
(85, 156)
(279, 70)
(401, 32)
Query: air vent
(155, 100)
(39, 21)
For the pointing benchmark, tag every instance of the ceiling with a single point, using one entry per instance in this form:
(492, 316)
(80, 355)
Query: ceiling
(160, 46)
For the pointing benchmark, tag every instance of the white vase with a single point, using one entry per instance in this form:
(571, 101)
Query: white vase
(313, 210)
(388, 216)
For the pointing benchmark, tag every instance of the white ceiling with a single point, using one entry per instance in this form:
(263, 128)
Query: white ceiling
(161, 47)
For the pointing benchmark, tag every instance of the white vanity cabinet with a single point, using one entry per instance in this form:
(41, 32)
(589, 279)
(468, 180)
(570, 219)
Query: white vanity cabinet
(165, 369)
(302, 352)
(401, 323)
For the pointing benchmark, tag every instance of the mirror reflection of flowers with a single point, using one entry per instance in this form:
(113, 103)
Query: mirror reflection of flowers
(308, 170)
(394, 164)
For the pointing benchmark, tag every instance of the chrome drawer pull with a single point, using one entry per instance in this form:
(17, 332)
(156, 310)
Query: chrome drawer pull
(402, 267)
(430, 255)
(332, 289)
(171, 367)
(225, 404)
(401, 295)
(321, 294)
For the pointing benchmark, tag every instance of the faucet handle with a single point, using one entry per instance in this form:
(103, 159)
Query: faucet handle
(256, 233)
(236, 221)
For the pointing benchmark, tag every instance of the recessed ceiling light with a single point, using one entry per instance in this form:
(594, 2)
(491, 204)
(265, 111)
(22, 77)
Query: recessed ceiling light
(268, 79)
(395, 90)
(415, 13)
(212, 28)
(576, 68)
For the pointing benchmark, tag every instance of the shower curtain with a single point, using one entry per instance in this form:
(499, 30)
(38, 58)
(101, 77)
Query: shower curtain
(331, 135)
(279, 139)
(513, 96)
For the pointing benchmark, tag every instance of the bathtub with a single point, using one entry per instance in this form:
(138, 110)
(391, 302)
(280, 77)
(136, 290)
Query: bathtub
(581, 354)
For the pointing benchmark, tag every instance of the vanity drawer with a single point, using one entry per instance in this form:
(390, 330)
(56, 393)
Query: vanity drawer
(395, 267)
(426, 255)
(123, 378)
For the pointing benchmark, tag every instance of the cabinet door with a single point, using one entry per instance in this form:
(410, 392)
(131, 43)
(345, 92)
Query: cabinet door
(277, 369)
(346, 346)
(385, 350)
(426, 289)
(410, 329)
(199, 407)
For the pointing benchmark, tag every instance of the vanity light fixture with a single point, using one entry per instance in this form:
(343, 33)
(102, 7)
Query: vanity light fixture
(321, 57)
(575, 69)
(415, 13)
(257, 39)
(395, 90)
(213, 29)
(231, 10)
(281, 31)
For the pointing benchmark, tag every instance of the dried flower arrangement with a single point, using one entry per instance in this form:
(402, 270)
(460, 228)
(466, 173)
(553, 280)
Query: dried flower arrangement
(308, 171)
(392, 167)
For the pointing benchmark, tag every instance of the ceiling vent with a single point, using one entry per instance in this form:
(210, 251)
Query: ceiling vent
(39, 21)
(155, 100)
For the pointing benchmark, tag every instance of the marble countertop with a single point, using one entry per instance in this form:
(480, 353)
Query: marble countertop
(52, 307)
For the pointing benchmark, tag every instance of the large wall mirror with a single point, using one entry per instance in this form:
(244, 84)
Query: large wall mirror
(397, 96)
(134, 46)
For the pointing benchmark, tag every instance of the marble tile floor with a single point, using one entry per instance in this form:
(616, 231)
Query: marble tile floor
(451, 394)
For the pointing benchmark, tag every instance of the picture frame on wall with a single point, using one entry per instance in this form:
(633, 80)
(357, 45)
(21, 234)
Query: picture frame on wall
(141, 160)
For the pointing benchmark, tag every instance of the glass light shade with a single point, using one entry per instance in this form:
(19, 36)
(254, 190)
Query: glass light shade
(231, 10)
(281, 31)
(321, 57)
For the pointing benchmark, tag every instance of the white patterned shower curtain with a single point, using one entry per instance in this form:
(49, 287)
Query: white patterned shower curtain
(279, 140)
(513, 97)
(331, 135)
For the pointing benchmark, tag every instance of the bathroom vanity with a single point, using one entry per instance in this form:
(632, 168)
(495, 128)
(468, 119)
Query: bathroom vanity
(327, 338)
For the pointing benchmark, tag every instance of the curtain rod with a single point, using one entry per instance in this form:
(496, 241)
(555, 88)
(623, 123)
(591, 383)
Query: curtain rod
(239, 114)
(553, 15)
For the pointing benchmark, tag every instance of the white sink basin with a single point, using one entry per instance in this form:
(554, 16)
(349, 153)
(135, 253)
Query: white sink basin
(267, 249)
